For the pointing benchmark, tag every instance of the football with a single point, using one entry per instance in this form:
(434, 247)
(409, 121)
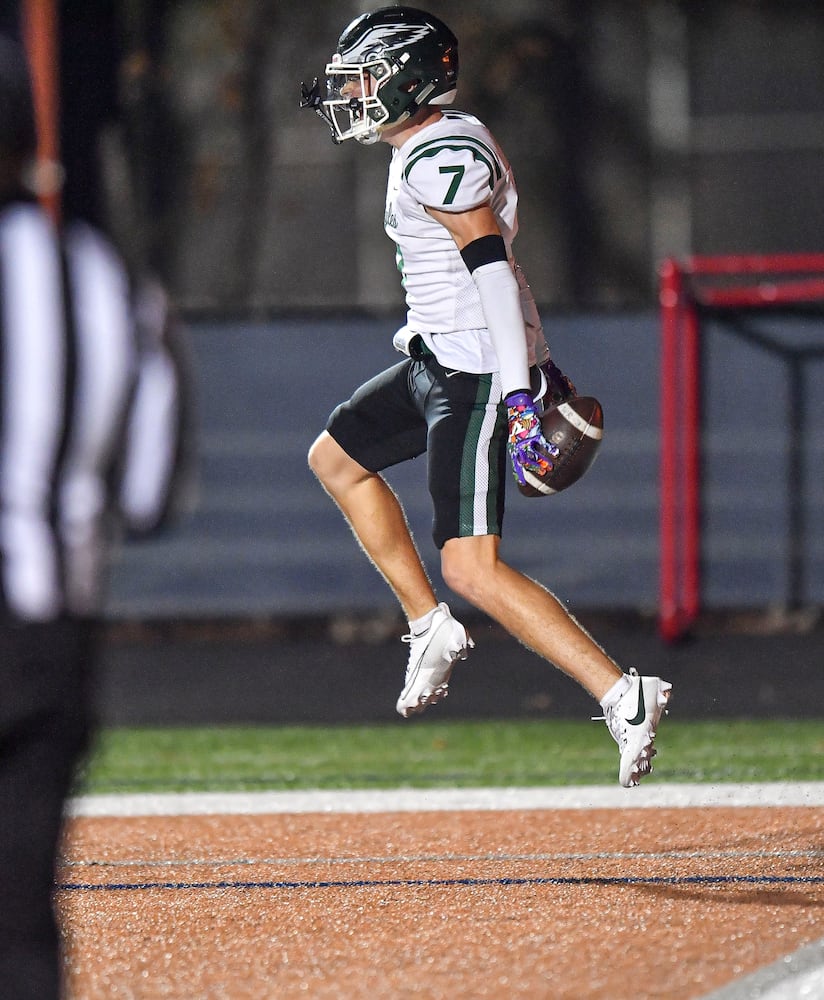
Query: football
(575, 428)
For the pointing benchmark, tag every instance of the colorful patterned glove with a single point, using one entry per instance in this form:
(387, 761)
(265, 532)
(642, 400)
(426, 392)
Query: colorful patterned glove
(528, 448)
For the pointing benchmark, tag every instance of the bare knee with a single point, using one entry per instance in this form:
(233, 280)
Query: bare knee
(458, 580)
(333, 467)
(467, 567)
(326, 457)
(319, 456)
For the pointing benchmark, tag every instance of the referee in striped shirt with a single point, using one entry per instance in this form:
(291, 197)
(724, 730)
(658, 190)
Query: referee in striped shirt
(90, 430)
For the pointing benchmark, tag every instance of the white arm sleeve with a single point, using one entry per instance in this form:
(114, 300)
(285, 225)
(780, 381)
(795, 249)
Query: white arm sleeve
(500, 298)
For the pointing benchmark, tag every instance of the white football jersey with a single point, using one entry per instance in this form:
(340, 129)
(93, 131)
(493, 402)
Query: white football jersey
(452, 165)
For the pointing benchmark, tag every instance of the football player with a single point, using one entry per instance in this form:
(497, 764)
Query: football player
(470, 390)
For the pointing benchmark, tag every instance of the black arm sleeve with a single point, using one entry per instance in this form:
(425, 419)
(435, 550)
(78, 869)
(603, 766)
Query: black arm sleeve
(484, 250)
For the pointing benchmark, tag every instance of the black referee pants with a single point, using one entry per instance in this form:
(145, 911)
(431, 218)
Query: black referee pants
(45, 724)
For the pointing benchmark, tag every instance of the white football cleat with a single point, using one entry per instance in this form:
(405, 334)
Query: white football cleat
(432, 655)
(633, 722)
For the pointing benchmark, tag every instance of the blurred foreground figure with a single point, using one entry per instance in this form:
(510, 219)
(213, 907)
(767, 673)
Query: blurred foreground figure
(90, 428)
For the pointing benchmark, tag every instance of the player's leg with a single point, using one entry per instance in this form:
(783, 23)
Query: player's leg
(467, 475)
(468, 470)
(632, 705)
(376, 517)
(380, 426)
(473, 569)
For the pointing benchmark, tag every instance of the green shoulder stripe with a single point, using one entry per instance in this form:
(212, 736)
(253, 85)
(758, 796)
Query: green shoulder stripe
(480, 152)
(469, 139)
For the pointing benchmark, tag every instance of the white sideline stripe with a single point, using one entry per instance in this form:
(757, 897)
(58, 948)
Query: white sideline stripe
(810, 793)
(794, 977)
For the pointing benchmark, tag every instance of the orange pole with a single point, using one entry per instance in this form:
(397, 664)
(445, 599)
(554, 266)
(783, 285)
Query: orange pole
(40, 28)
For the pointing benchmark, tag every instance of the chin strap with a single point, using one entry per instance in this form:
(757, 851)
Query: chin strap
(310, 98)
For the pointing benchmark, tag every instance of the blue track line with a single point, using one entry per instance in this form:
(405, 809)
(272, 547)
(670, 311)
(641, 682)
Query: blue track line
(458, 883)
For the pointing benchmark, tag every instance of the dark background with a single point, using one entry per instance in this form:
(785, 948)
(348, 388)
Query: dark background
(638, 130)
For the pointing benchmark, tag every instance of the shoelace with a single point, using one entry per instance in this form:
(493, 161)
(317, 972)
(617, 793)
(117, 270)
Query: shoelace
(409, 638)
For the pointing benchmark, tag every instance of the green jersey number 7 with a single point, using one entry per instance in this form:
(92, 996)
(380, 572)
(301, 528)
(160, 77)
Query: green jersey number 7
(454, 184)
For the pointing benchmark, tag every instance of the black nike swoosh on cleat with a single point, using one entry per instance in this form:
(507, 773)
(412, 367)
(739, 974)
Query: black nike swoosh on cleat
(641, 715)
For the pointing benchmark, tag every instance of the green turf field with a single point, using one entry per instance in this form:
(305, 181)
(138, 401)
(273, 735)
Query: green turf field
(432, 754)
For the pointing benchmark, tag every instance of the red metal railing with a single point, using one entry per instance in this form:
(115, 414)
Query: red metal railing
(682, 293)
